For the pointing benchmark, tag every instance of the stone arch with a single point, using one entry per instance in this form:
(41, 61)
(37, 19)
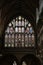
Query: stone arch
(30, 59)
(8, 59)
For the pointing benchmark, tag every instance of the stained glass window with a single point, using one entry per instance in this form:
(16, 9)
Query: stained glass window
(19, 33)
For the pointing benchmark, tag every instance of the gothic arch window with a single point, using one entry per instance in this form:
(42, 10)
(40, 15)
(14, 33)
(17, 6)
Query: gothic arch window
(19, 33)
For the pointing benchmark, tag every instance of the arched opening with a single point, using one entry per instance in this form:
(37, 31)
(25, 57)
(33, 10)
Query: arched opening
(30, 59)
(19, 33)
(9, 60)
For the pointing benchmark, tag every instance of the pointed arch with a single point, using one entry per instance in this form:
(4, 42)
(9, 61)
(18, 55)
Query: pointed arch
(30, 59)
(19, 33)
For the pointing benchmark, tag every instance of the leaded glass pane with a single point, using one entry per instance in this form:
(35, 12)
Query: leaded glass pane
(5, 44)
(9, 45)
(30, 40)
(13, 36)
(12, 45)
(9, 38)
(7, 30)
(23, 29)
(6, 37)
(26, 40)
(19, 29)
(22, 23)
(22, 37)
(16, 36)
(33, 40)
(16, 29)
(12, 40)
(16, 44)
(13, 23)
(26, 23)
(10, 24)
(29, 24)
(19, 17)
(31, 30)
(32, 36)
(11, 30)
(22, 19)
(27, 30)
(22, 44)
(19, 23)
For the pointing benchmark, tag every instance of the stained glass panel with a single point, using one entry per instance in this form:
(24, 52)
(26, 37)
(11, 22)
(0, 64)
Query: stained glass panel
(19, 33)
